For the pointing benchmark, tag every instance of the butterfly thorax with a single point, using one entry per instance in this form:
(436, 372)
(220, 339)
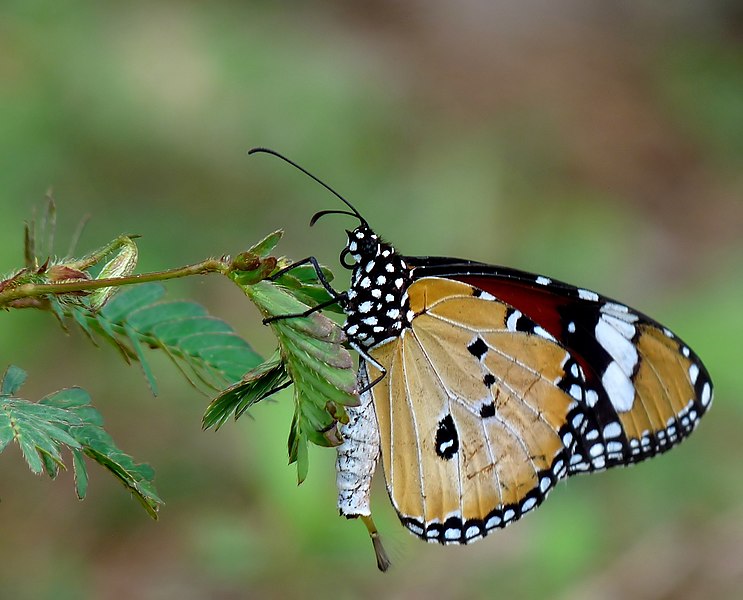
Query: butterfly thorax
(377, 306)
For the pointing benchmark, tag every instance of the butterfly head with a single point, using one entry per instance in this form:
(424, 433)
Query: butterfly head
(363, 246)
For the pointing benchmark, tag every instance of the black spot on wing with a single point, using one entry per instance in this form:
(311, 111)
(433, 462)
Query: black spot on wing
(478, 348)
(487, 410)
(447, 438)
(488, 380)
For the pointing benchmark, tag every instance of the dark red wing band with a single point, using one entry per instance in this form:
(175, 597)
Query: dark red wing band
(550, 309)
(540, 304)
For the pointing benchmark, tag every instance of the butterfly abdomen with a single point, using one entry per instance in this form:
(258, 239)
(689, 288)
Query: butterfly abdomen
(357, 456)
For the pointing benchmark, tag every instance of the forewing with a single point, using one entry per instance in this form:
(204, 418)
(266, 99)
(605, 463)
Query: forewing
(646, 389)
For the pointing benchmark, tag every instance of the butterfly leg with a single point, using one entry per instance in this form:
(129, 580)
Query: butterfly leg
(318, 271)
(307, 313)
(370, 359)
(336, 297)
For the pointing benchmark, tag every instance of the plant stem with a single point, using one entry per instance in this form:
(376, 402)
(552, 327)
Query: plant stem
(31, 290)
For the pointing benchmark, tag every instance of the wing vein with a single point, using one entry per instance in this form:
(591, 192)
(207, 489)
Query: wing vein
(503, 421)
(449, 398)
(409, 403)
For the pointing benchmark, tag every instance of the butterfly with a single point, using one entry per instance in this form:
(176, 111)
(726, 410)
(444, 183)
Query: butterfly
(484, 386)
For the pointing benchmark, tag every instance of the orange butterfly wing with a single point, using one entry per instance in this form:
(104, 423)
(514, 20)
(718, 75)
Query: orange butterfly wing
(471, 414)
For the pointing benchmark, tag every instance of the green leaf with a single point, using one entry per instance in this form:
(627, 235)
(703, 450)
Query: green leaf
(133, 339)
(50, 466)
(65, 419)
(204, 348)
(130, 300)
(6, 432)
(302, 283)
(13, 379)
(81, 474)
(145, 319)
(121, 265)
(303, 460)
(137, 478)
(313, 355)
(263, 248)
(254, 386)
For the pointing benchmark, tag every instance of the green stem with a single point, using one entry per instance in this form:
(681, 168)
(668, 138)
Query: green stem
(31, 290)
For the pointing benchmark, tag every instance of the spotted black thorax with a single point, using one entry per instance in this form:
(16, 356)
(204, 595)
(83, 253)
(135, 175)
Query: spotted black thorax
(376, 306)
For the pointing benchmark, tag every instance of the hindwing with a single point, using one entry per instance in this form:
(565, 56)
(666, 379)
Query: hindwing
(473, 412)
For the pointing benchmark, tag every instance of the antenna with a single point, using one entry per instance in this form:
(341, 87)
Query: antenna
(354, 212)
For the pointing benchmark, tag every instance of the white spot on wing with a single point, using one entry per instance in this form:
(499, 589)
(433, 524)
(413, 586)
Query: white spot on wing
(618, 387)
(543, 280)
(596, 450)
(415, 528)
(706, 394)
(511, 321)
(493, 522)
(612, 430)
(619, 347)
(620, 311)
(542, 332)
(587, 295)
(528, 504)
(508, 515)
(625, 328)
(614, 447)
(693, 373)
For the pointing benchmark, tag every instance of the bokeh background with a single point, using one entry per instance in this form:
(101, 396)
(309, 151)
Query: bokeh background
(598, 143)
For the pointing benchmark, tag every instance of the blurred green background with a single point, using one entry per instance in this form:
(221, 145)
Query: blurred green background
(601, 144)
